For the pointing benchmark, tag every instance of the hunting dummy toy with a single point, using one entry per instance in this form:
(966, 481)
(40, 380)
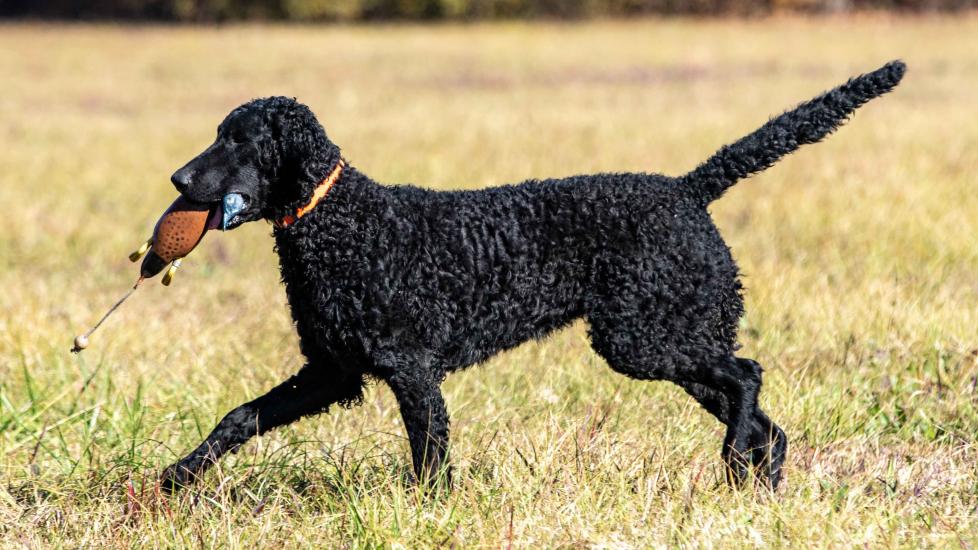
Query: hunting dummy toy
(177, 233)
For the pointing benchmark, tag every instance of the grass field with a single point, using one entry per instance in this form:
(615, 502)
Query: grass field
(859, 257)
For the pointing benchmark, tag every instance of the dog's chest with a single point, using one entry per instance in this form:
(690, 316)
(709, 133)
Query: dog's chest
(324, 283)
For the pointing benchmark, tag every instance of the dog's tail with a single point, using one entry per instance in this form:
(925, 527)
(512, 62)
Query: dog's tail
(808, 123)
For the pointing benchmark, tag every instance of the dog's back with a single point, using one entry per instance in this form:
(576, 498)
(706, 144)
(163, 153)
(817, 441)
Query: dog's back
(481, 271)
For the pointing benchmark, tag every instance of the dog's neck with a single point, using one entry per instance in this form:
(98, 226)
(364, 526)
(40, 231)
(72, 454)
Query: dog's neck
(306, 176)
(331, 243)
(349, 200)
(318, 194)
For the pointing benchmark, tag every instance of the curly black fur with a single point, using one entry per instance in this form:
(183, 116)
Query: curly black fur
(407, 285)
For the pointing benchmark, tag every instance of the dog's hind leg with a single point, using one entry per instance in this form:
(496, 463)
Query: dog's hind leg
(635, 345)
(425, 418)
(766, 443)
(307, 392)
(740, 388)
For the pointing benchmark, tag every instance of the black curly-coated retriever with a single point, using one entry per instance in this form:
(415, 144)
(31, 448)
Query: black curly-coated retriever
(407, 285)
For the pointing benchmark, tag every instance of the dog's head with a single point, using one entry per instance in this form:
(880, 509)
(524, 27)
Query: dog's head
(268, 157)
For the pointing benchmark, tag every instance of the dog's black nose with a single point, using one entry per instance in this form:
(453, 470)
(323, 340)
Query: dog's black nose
(181, 179)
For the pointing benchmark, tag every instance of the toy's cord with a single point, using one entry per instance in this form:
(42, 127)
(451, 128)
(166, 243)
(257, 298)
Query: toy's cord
(114, 307)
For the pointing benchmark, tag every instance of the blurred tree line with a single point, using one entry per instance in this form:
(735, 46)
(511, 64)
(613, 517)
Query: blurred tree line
(356, 10)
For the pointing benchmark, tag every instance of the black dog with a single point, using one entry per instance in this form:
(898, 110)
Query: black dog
(407, 285)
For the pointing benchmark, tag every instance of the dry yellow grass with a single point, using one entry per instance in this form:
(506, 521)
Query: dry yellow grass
(859, 255)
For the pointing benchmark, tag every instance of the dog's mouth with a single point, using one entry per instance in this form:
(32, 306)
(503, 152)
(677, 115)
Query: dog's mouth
(228, 213)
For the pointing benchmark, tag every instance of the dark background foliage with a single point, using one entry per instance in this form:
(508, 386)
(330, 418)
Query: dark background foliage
(347, 10)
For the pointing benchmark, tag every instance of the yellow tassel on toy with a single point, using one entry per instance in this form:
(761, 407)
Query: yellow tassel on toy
(168, 276)
(135, 256)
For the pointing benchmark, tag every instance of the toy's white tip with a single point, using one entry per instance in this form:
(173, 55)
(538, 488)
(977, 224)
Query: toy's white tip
(81, 342)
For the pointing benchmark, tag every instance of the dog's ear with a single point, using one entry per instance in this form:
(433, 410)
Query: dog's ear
(304, 148)
(297, 153)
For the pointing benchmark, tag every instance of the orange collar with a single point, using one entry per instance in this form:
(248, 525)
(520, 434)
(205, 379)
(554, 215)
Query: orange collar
(319, 194)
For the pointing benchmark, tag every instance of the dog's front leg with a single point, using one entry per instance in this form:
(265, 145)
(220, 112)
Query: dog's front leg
(302, 394)
(426, 421)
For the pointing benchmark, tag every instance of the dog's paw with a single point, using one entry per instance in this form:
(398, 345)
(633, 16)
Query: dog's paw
(779, 450)
(175, 477)
(737, 465)
(768, 456)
